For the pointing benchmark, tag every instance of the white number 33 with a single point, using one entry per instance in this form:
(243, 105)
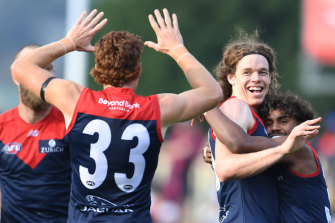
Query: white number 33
(92, 181)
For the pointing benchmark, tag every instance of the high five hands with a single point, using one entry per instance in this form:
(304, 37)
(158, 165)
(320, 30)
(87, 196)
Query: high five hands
(167, 32)
(84, 29)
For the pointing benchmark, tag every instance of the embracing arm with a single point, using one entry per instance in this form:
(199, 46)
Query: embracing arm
(29, 69)
(206, 93)
(234, 137)
(237, 166)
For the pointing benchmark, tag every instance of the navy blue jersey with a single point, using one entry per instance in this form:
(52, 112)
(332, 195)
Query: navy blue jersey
(303, 198)
(115, 141)
(34, 169)
(250, 200)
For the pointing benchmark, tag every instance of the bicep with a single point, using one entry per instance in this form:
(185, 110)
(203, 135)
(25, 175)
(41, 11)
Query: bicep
(64, 95)
(181, 107)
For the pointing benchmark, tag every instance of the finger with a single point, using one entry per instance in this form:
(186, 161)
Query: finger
(167, 17)
(81, 17)
(175, 22)
(314, 121)
(151, 45)
(159, 18)
(312, 135)
(96, 19)
(153, 23)
(193, 121)
(201, 118)
(204, 152)
(90, 17)
(305, 133)
(89, 48)
(98, 27)
(311, 127)
(311, 132)
(209, 153)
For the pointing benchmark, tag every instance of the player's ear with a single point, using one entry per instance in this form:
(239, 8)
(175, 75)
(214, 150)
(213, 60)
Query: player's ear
(140, 69)
(231, 79)
(15, 81)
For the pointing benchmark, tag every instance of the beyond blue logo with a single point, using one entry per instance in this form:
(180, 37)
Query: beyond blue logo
(12, 148)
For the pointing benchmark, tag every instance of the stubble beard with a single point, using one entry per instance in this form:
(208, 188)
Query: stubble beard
(32, 101)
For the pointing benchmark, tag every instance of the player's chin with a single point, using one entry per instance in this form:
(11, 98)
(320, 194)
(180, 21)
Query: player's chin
(256, 102)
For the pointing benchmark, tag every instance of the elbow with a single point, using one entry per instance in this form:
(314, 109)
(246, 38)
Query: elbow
(15, 67)
(216, 96)
(224, 173)
(238, 148)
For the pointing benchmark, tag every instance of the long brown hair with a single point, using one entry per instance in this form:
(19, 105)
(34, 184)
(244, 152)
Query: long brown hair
(235, 50)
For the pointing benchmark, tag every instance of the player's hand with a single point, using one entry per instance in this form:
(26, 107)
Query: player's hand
(84, 30)
(200, 117)
(167, 32)
(301, 134)
(206, 154)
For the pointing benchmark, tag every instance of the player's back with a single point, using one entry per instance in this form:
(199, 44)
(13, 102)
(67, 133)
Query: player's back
(303, 198)
(115, 141)
(34, 169)
(250, 200)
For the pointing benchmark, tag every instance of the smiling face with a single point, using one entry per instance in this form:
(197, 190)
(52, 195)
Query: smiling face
(251, 80)
(277, 123)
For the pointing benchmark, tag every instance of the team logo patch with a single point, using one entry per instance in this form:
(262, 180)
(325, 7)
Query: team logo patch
(52, 143)
(12, 148)
(33, 133)
(51, 146)
(100, 205)
(95, 200)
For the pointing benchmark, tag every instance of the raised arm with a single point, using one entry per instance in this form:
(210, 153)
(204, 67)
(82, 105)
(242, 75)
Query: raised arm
(237, 166)
(205, 94)
(28, 70)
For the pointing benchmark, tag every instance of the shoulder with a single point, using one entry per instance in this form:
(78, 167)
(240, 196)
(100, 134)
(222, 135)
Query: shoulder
(8, 115)
(239, 112)
(235, 107)
(56, 114)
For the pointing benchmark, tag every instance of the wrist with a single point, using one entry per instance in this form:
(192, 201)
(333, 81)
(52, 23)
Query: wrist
(283, 150)
(68, 44)
(176, 51)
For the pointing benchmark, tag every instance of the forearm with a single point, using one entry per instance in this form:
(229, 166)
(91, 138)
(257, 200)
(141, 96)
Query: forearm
(45, 55)
(29, 69)
(239, 166)
(196, 74)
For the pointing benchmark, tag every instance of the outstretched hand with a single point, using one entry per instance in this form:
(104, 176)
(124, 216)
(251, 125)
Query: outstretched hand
(167, 32)
(301, 134)
(84, 30)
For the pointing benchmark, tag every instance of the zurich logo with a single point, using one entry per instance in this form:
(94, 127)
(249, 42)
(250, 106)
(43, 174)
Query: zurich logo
(52, 143)
(12, 148)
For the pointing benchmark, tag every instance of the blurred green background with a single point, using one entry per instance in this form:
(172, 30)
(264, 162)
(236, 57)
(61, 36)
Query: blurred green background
(206, 27)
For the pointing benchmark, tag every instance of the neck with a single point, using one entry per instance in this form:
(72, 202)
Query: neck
(132, 84)
(30, 116)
